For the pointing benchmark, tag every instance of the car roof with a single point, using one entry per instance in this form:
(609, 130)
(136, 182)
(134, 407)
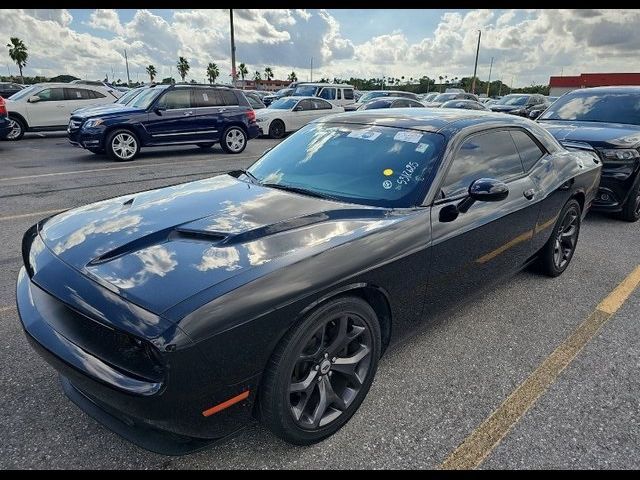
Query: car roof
(427, 119)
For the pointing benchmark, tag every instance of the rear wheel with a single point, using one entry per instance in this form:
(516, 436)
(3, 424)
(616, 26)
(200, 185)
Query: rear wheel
(557, 253)
(276, 129)
(631, 210)
(122, 145)
(17, 129)
(321, 371)
(234, 140)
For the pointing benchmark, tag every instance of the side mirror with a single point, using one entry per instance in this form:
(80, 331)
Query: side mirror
(159, 110)
(33, 99)
(484, 190)
(534, 114)
(298, 108)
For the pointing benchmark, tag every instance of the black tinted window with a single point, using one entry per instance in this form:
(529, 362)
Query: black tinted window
(253, 102)
(177, 98)
(328, 93)
(486, 155)
(321, 104)
(348, 94)
(77, 94)
(614, 107)
(50, 95)
(228, 97)
(400, 104)
(529, 150)
(305, 105)
(95, 94)
(207, 97)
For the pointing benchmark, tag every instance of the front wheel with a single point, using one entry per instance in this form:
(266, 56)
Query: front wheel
(17, 129)
(321, 371)
(557, 253)
(122, 145)
(234, 140)
(631, 210)
(276, 129)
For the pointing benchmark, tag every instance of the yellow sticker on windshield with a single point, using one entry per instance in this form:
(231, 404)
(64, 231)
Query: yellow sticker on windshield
(387, 172)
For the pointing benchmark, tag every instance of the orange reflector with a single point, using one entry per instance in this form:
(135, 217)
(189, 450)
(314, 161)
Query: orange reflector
(226, 404)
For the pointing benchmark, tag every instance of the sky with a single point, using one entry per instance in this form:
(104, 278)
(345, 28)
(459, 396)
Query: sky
(527, 46)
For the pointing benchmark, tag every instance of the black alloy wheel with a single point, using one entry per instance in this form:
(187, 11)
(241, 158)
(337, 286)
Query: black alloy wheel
(276, 129)
(321, 371)
(555, 256)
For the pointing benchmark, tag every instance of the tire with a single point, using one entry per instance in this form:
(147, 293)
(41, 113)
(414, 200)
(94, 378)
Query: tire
(276, 129)
(631, 209)
(234, 140)
(122, 145)
(556, 255)
(96, 151)
(205, 146)
(17, 131)
(300, 360)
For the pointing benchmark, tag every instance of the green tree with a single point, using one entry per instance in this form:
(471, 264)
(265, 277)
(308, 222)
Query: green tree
(292, 77)
(268, 73)
(183, 67)
(242, 71)
(257, 76)
(151, 70)
(18, 53)
(212, 72)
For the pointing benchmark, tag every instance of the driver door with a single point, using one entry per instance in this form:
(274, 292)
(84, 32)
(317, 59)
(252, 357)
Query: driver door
(50, 110)
(492, 239)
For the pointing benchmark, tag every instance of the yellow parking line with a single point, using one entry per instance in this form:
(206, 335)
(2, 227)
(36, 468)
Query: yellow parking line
(488, 435)
(126, 167)
(32, 214)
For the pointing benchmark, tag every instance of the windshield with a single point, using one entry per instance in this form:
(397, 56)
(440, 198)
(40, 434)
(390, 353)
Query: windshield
(445, 97)
(127, 97)
(515, 100)
(286, 103)
(305, 91)
(25, 92)
(371, 95)
(365, 164)
(146, 98)
(611, 107)
(283, 91)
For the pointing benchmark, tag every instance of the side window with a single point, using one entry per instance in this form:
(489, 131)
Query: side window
(321, 105)
(305, 104)
(50, 95)
(95, 94)
(348, 93)
(206, 97)
(339, 94)
(328, 93)
(414, 104)
(529, 150)
(176, 98)
(491, 155)
(253, 102)
(400, 104)
(77, 94)
(228, 97)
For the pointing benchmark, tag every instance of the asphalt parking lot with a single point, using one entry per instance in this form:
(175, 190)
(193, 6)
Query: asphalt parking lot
(432, 391)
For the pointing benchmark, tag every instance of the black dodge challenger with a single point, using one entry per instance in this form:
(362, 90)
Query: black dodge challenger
(176, 315)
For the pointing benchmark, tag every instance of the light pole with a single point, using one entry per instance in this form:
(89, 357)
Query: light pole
(475, 67)
(311, 74)
(233, 50)
(489, 83)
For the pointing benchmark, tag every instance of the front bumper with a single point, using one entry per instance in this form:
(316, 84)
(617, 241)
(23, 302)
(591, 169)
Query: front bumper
(615, 186)
(5, 127)
(142, 411)
(86, 138)
(254, 130)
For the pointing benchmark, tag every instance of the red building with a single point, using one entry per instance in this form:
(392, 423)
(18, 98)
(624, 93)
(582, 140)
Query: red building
(269, 85)
(561, 85)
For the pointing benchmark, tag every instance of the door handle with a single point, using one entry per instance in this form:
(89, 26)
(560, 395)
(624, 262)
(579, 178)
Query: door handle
(186, 114)
(529, 194)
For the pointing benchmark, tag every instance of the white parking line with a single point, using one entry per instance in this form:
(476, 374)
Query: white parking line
(126, 167)
(32, 214)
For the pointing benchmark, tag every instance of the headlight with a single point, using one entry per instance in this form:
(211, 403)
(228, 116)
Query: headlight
(620, 154)
(94, 122)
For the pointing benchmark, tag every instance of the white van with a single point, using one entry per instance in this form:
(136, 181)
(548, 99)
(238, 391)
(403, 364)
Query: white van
(336, 93)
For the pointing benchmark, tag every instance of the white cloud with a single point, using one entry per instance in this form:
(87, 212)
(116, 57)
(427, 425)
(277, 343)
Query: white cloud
(526, 44)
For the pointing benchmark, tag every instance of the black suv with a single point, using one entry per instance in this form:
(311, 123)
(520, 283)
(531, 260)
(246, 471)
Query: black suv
(606, 119)
(9, 88)
(167, 115)
(521, 104)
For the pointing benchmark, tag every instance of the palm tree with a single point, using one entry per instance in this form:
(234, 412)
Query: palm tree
(257, 76)
(440, 77)
(18, 53)
(151, 70)
(292, 77)
(212, 72)
(183, 67)
(268, 73)
(242, 71)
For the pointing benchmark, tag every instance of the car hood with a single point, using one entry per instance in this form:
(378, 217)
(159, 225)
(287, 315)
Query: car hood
(603, 135)
(269, 112)
(110, 109)
(505, 108)
(160, 247)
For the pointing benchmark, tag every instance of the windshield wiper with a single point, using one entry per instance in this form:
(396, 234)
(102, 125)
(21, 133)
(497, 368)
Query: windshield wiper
(303, 191)
(251, 176)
